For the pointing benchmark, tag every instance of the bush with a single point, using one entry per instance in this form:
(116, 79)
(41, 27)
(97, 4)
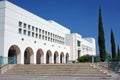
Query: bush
(85, 58)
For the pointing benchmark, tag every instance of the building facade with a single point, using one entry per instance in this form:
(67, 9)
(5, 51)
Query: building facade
(34, 40)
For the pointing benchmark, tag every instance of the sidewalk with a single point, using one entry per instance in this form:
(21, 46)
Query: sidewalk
(33, 77)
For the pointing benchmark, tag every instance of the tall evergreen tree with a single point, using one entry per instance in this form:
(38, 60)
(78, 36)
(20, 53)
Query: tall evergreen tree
(113, 46)
(118, 52)
(101, 38)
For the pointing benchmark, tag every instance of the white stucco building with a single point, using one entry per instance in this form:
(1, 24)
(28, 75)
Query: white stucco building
(33, 40)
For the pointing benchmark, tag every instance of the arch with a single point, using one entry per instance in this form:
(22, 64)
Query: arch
(56, 57)
(39, 56)
(48, 57)
(28, 55)
(67, 58)
(62, 57)
(14, 53)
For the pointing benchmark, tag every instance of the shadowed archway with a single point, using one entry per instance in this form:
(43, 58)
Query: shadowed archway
(48, 57)
(67, 58)
(56, 57)
(39, 56)
(28, 55)
(14, 55)
(62, 57)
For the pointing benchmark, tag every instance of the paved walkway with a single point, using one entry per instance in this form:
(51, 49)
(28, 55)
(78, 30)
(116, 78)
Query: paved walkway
(28, 77)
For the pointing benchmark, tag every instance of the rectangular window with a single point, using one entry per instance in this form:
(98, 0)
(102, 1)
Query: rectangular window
(45, 32)
(29, 27)
(32, 28)
(39, 30)
(36, 35)
(42, 31)
(39, 36)
(48, 33)
(28, 33)
(25, 25)
(20, 24)
(24, 32)
(78, 43)
(42, 37)
(32, 34)
(45, 37)
(20, 31)
(36, 29)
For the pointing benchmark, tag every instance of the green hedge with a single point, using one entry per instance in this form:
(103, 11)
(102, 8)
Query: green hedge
(85, 58)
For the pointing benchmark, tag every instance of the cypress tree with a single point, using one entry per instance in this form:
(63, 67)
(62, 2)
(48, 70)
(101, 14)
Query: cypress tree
(118, 53)
(101, 38)
(113, 46)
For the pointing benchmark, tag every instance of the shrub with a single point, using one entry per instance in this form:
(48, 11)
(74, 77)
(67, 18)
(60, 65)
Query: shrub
(85, 58)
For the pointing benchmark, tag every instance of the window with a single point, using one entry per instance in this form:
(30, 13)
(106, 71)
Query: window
(20, 24)
(32, 34)
(20, 30)
(25, 25)
(36, 29)
(53, 40)
(28, 33)
(48, 38)
(24, 32)
(48, 33)
(45, 32)
(29, 27)
(39, 30)
(78, 43)
(32, 28)
(42, 37)
(45, 37)
(42, 31)
(51, 34)
(39, 36)
(36, 35)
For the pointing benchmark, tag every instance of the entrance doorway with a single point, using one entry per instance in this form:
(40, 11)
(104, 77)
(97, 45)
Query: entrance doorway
(48, 57)
(39, 57)
(28, 56)
(14, 55)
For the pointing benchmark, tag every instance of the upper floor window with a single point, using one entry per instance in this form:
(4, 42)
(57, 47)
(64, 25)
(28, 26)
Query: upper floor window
(25, 25)
(20, 24)
(39, 30)
(24, 32)
(36, 29)
(42, 31)
(29, 27)
(32, 28)
(78, 43)
(20, 30)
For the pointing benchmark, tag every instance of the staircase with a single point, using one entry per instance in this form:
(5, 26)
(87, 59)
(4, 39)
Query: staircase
(82, 69)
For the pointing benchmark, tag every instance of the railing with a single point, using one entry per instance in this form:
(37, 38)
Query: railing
(6, 63)
(108, 66)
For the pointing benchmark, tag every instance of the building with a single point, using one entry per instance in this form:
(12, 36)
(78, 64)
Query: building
(34, 40)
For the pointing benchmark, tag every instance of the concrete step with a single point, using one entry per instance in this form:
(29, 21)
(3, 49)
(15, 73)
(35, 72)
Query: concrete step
(56, 70)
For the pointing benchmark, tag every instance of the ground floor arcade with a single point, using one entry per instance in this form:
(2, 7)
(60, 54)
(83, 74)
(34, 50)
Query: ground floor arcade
(39, 57)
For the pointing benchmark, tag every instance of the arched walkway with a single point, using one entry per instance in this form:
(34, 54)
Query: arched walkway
(39, 56)
(62, 57)
(28, 55)
(56, 58)
(67, 58)
(14, 54)
(48, 57)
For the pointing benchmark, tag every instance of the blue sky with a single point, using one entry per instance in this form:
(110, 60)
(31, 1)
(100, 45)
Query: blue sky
(80, 16)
